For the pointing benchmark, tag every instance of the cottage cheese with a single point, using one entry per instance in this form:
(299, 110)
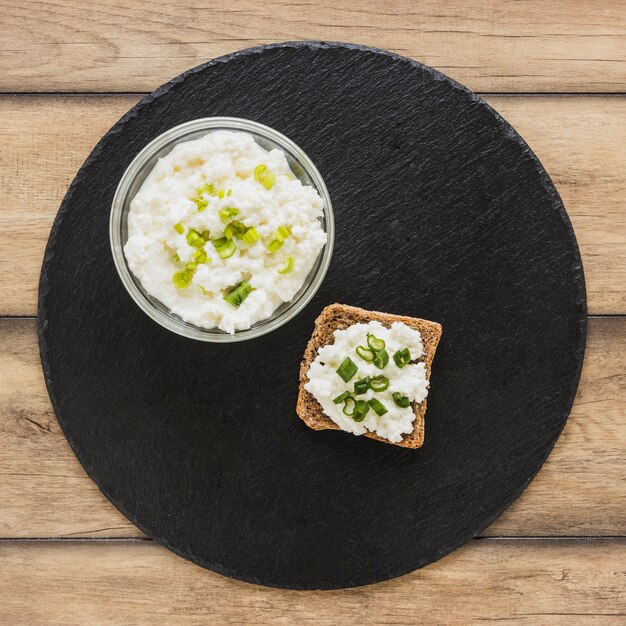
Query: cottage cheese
(169, 197)
(325, 384)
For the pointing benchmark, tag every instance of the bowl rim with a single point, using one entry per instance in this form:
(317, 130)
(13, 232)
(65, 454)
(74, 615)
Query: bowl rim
(176, 324)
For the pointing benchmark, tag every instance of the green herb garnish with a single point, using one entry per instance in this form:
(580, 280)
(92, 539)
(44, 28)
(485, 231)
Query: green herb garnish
(289, 266)
(238, 294)
(264, 176)
(402, 357)
(381, 358)
(347, 369)
(375, 343)
(361, 409)
(362, 385)
(379, 383)
(379, 407)
(225, 247)
(400, 400)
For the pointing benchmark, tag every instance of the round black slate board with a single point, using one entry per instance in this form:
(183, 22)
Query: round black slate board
(443, 213)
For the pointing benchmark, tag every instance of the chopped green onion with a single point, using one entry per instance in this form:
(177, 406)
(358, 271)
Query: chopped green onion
(381, 359)
(264, 176)
(179, 228)
(206, 235)
(227, 212)
(206, 188)
(379, 407)
(400, 400)
(195, 239)
(342, 397)
(229, 193)
(348, 406)
(360, 410)
(251, 236)
(202, 204)
(181, 279)
(347, 369)
(200, 256)
(289, 265)
(402, 357)
(274, 245)
(282, 233)
(191, 267)
(220, 194)
(237, 295)
(379, 383)
(365, 353)
(176, 257)
(362, 385)
(236, 229)
(225, 247)
(375, 343)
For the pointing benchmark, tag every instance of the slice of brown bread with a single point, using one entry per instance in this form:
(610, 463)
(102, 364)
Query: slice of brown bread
(338, 317)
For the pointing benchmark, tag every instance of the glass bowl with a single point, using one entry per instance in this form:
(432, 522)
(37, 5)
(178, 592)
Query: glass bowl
(142, 165)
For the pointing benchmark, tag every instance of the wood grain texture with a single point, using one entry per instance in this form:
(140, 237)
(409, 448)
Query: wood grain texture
(525, 582)
(580, 491)
(75, 45)
(44, 140)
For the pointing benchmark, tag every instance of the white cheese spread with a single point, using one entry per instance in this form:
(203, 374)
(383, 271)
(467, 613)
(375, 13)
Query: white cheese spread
(183, 252)
(408, 381)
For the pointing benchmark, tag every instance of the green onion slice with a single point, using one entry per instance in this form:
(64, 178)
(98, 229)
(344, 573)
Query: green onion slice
(360, 410)
(379, 383)
(201, 203)
(365, 353)
(347, 369)
(235, 229)
(200, 256)
(191, 267)
(289, 266)
(274, 245)
(264, 176)
(375, 343)
(400, 400)
(339, 399)
(282, 233)
(221, 193)
(238, 294)
(362, 385)
(225, 247)
(402, 357)
(229, 192)
(207, 188)
(195, 239)
(251, 236)
(206, 235)
(179, 228)
(182, 279)
(227, 212)
(379, 407)
(381, 359)
(348, 406)
(176, 257)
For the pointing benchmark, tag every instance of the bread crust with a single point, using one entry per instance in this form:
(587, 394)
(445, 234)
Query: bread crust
(339, 317)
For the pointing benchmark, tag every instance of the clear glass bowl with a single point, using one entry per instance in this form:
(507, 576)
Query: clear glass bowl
(134, 177)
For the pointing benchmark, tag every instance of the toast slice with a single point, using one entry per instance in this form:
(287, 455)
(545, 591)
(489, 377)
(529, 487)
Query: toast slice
(339, 317)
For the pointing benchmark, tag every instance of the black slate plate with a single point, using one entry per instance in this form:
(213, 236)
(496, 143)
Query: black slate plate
(442, 212)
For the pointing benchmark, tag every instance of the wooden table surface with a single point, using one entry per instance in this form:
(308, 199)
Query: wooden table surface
(556, 70)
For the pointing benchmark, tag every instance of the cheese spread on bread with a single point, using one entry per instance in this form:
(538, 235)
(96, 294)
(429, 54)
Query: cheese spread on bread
(386, 388)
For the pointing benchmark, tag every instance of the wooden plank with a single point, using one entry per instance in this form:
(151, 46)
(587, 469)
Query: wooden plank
(75, 45)
(580, 491)
(43, 141)
(530, 582)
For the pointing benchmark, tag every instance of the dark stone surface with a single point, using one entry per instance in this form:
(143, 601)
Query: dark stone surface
(442, 212)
